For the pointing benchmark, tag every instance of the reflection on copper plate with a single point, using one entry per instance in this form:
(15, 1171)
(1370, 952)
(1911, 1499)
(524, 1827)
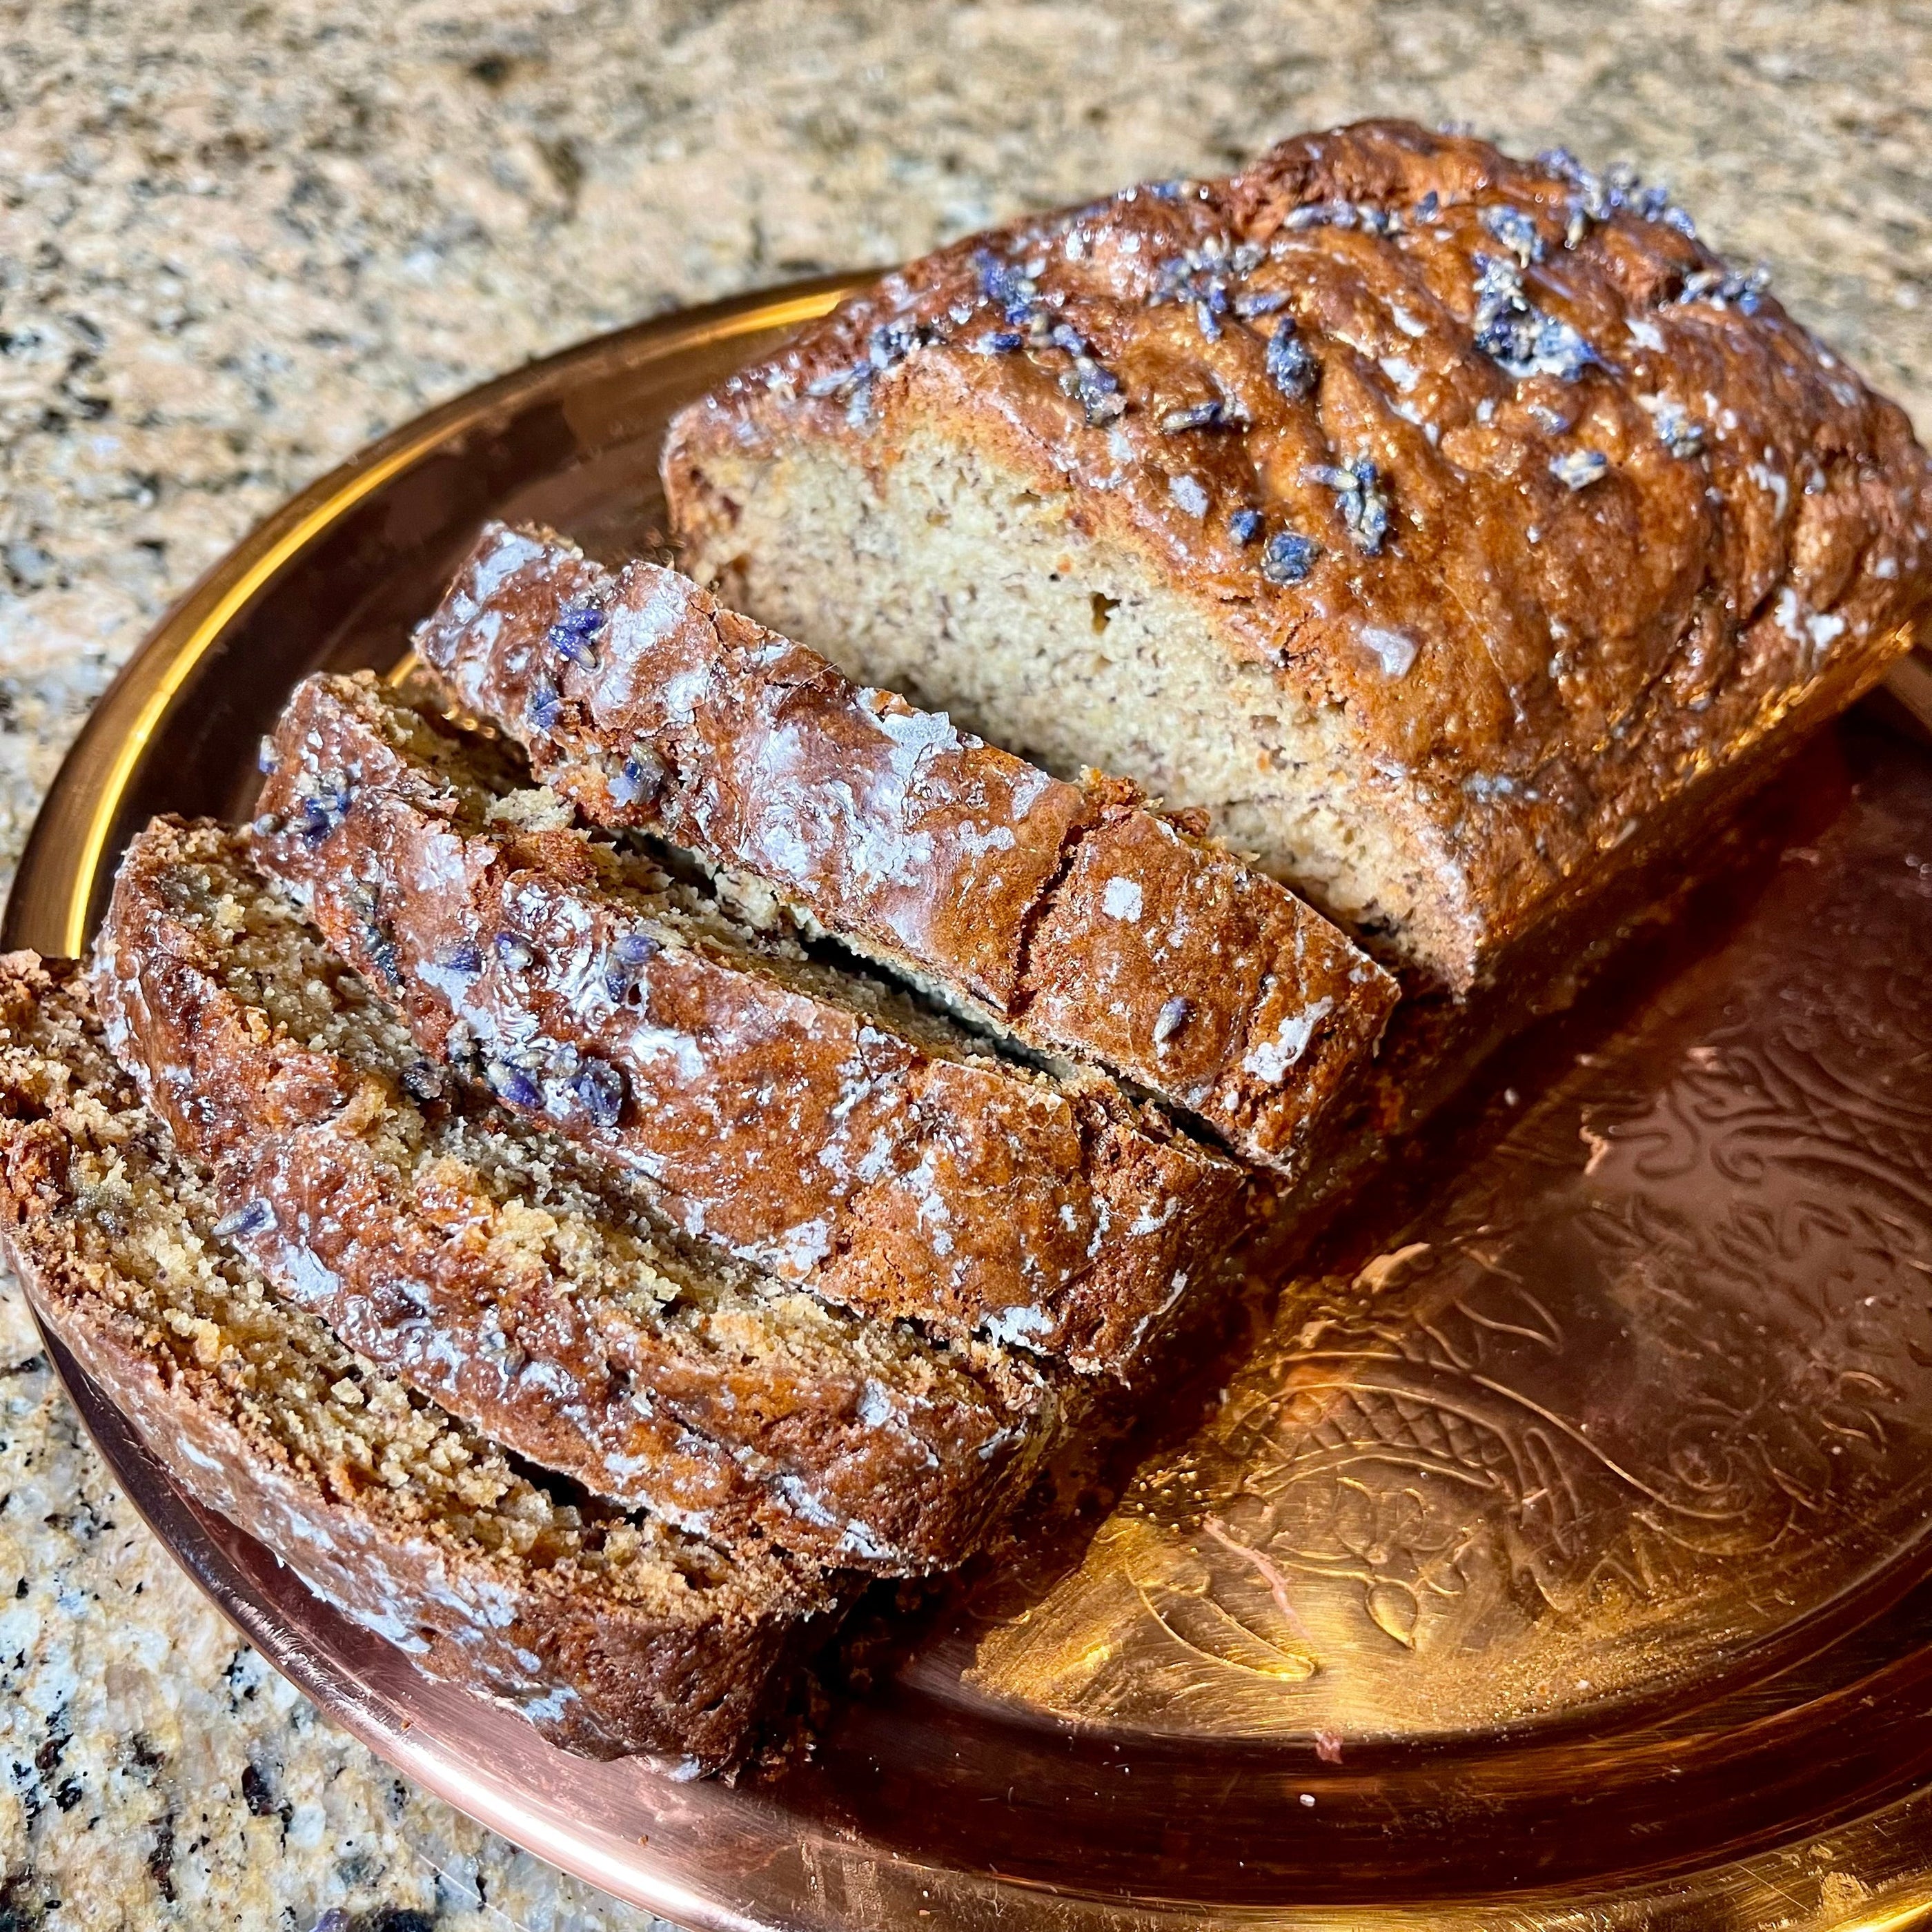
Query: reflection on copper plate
(1554, 1550)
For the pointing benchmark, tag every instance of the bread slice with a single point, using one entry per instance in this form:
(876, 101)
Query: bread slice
(612, 1633)
(1457, 533)
(1067, 915)
(486, 1263)
(806, 1117)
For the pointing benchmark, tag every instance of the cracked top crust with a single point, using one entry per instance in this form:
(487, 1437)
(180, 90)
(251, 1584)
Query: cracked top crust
(1494, 459)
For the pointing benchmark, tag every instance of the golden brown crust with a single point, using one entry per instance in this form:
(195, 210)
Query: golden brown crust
(958, 1190)
(1075, 917)
(684, 1673)
(1624, 519)
(758, 1413)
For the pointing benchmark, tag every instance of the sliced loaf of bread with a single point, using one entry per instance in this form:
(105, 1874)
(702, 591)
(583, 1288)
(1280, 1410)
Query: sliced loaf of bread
(1460, 533)
(494, 1269)
(1069, 915)
(811, 1119)
(611, 1633)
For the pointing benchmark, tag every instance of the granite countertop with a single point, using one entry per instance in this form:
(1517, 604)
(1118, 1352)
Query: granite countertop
(235, 243)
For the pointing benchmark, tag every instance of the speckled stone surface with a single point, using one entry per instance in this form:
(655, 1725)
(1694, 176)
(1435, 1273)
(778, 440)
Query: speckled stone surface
(238, 241)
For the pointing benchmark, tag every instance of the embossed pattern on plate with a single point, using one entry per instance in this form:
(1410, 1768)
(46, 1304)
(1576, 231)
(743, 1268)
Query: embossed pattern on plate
(1644, 1386)
(1555, 1555)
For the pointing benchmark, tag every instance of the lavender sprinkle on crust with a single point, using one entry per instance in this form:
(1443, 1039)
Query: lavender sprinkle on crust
(635, 948)
(546, 703)
(599, 1086)
(1194, 416)
(463, 957)
(1244, 526)
(1578, 468)
(570, 636)
(267, 759)
(515, 953)
(513, 1084)
(1515, 231)
(642, 777)
(1289, 557)
(1172, 1017)
(257, 1218)
(1511, 330)
(1677, 430)
(1359, 496)
(323, 811)
(1291, 367)
(1723, 288)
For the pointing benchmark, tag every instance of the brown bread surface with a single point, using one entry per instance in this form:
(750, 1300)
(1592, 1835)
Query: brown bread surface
(491, 1266)
(825, 1126)
(612, 1633)
(1069, 915)
(1451, 529)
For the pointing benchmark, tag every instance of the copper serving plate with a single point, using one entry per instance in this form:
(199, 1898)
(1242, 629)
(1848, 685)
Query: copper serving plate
(1560, 1556)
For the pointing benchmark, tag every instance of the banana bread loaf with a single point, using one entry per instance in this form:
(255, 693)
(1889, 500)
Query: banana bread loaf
(827, 1127)
(1067, 915)
(612, 1633)
(488, 1265)
(1455, 531)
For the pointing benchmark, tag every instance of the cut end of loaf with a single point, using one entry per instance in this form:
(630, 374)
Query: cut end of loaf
(970, 586)
(413, 1523)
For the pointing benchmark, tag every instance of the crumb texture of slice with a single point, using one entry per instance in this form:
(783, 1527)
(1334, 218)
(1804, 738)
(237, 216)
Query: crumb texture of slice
(812, 1119)
(611, 1633)
(493, 1267)
(1436, 522)
(1067, 915)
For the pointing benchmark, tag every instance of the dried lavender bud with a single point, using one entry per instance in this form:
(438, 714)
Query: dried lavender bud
(515, 953)
(1293, 370)
(570, 636)
(1578, 468)
(642, 778)
(1244, 526)
(1359, 496)
(463, 957)
(1515, 231)
(1289, 557)
(1097, 391)
(1172, 1017)
(323, 812)
(1677, 430)
(634, 948)
(256, 1218)
(380, 950)
(1193, 415)
(840, 381)
(1001, 284)
(1512, 331)
(599, 1086)
(891, 343)
(1725, 288)
(267, 759)
(1251, 303)
(546, 702)
(511, 1084)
